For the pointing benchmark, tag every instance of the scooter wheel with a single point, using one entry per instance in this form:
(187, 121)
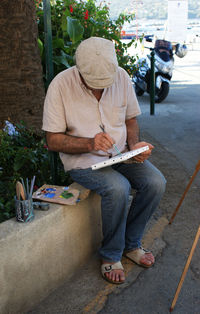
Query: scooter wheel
(162, 93)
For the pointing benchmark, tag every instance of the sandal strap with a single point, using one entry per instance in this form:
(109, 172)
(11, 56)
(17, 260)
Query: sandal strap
(137, 254)
(145, 250)
(107, 268)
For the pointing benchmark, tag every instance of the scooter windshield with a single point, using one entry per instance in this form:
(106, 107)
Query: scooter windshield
(164, 49)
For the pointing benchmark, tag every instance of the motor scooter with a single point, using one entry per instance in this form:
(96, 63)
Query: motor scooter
(164, 63)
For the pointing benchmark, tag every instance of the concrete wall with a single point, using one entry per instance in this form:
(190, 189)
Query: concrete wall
(37, 257)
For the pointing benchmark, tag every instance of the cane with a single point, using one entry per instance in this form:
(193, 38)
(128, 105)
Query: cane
(186, 190)
(185, 270)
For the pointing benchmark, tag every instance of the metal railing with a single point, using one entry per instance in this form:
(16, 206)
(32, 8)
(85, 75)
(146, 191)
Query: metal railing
(49, 75)
(152, 83)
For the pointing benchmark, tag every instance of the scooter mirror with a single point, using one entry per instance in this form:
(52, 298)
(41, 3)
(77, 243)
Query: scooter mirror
(181, 50)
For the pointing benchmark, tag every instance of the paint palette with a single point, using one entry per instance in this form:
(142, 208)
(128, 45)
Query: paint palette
(57, 194)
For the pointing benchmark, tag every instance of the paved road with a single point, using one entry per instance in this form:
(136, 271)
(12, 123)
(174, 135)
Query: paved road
(175, 132)
(176, 123)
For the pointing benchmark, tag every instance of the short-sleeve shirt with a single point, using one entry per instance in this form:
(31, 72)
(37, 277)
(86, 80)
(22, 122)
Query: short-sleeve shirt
(71, 108)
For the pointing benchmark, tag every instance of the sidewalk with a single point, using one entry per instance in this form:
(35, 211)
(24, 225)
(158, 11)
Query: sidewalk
(174, 131)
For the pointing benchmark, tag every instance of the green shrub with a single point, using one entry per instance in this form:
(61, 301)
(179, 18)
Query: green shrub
(23, 154)
(74, 21)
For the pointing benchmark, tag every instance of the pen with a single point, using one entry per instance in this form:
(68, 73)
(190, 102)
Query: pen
(114, 146)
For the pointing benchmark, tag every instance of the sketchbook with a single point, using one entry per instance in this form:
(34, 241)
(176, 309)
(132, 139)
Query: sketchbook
(119, 158)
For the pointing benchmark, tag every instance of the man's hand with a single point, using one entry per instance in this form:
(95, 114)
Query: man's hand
(145, 155)
(102, 141)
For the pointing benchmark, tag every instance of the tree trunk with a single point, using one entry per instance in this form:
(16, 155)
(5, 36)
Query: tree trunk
(21, 85)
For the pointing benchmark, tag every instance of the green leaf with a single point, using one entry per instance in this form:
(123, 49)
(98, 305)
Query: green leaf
(61, 60)
(74, 29)
(40, 46)
(64, 21)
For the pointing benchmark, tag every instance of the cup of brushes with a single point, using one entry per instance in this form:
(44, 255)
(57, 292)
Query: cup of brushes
(23, 200)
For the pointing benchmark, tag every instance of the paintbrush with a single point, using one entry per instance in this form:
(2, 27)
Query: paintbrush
(31, 189)
(114, 146)
(27, 188)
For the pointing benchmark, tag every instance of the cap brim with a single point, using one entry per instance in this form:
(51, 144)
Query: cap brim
(100, 84)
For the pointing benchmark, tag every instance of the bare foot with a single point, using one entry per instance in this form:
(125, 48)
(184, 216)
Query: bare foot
(115, 275)
(147, 259)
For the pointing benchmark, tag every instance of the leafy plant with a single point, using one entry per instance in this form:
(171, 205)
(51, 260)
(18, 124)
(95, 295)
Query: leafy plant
(23, 154)
(74, 21)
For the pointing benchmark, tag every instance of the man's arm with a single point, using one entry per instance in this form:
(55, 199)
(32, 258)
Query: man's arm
(133, 132)
(64, 143)
(133, 140)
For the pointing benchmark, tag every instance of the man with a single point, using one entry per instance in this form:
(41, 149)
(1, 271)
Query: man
(88, 108)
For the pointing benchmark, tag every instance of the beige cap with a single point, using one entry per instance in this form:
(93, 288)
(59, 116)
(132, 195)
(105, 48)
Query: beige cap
(96, 60)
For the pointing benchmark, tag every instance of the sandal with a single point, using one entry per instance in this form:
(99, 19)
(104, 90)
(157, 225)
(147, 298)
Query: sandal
(136, 255)
(107, 268)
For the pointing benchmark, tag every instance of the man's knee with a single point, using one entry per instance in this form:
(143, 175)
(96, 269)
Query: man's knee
(157, 183)
(118, 190)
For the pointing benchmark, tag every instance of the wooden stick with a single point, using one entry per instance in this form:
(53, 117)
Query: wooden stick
(18, 189)
(186, 190)
(185, 270)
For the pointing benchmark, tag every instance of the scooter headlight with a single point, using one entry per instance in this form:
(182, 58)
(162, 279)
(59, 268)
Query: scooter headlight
(163, 67)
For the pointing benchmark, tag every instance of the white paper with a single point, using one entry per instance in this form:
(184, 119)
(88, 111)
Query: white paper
(119, 158)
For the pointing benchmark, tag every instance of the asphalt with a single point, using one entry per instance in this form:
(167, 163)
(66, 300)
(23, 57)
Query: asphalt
(174, 130)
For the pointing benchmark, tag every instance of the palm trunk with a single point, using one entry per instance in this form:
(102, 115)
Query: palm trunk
(21, 85)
